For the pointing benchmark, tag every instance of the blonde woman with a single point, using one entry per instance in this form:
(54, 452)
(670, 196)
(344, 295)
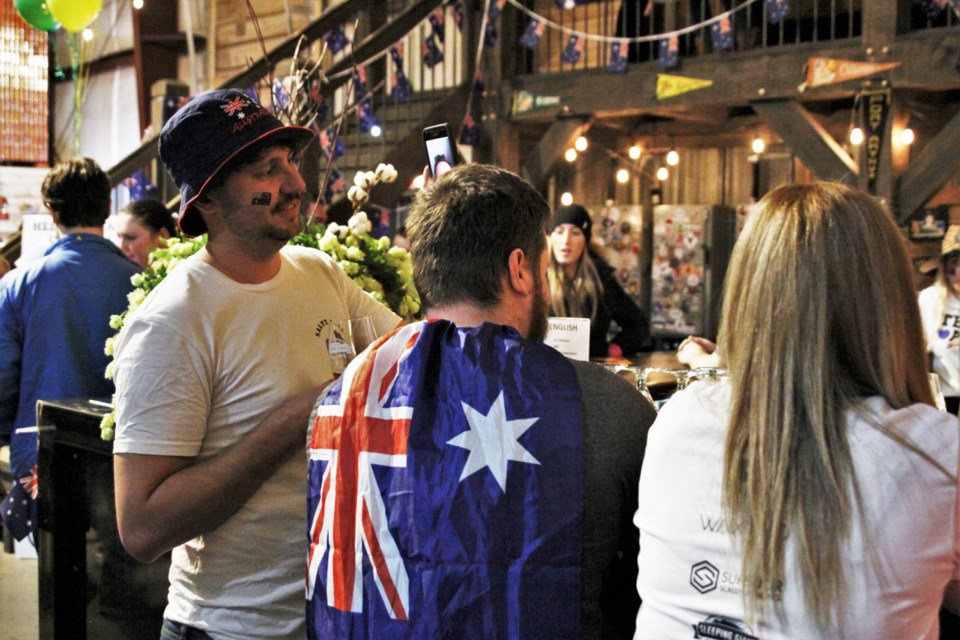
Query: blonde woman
(582, 285)
(814, 493)
(940, 311)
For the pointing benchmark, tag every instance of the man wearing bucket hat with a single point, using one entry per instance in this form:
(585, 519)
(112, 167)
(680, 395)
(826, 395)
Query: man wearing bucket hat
(940, 312)
(216, 373)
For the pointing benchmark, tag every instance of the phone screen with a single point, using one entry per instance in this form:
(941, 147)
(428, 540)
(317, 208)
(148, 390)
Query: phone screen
(439, 149)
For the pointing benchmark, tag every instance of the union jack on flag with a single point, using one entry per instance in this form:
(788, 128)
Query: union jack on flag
(445, 490)
(235, 107)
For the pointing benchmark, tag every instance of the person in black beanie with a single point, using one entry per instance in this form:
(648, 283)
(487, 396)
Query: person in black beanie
(583, 285)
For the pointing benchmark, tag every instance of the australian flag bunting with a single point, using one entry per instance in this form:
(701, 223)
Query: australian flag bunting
(777, 10)
(470, 132)
(445, 490)
(401, 84)
(359, 83)
(368, 119)
(478, 86)
(332, 144)
(532, 34)
(436, 22)
(19, 508)
(430, 52)
(721, 33)
(496, 8)
(336, 40)
(140, 186)
(669, 54)
(618, 61)
(572, 52)
(458, 15)
(335, 185)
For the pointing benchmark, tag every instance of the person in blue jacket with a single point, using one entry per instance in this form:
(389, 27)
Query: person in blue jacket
(55, 313)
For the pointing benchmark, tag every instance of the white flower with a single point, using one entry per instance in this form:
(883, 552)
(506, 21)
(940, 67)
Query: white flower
(359, 223)
(358, 196)
(386, 173)
(362, 180)
(343, 232)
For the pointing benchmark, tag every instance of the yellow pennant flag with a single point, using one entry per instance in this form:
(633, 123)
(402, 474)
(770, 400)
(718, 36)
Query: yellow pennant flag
(824, 71)
(669, 86)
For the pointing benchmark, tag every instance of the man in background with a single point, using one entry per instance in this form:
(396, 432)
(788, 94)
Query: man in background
(465, 479)
(54, 319)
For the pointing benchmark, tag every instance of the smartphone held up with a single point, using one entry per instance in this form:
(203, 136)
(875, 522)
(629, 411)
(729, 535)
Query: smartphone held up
(439, 146)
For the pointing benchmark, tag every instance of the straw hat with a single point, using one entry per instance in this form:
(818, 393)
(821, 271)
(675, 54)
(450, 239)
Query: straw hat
(949, 244)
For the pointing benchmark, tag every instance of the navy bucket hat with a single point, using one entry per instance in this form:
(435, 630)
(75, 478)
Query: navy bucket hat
(208, 132)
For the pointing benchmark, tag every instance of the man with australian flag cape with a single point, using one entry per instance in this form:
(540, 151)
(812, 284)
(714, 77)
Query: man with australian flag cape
(465, 480)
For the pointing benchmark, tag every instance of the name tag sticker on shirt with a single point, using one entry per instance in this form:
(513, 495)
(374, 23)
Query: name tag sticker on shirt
(569, 336)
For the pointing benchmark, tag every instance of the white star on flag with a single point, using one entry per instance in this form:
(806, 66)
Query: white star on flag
(493, 441)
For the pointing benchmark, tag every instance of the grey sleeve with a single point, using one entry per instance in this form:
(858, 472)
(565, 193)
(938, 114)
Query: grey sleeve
(616, 421)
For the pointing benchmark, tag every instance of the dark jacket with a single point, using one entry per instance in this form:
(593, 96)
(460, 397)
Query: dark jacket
(617, 306)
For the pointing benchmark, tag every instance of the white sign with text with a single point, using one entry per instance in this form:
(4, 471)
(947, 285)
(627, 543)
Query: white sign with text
(569, 336)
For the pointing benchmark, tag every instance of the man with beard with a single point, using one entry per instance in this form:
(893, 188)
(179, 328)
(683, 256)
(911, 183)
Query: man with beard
(467, 480)
(216, 372)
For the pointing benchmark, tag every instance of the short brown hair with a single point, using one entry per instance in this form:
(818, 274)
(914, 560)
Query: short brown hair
(462, 228)
(78, 192)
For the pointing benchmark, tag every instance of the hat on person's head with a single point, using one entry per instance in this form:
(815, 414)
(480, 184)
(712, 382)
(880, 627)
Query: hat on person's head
(949, 244)
(576, 215)
(208, 132)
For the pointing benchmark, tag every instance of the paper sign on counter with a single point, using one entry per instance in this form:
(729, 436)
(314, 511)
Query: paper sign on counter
(569, 336)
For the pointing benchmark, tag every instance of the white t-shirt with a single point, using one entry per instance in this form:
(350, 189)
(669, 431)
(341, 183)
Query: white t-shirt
(202, 362)
(689, 572)
(941, 323)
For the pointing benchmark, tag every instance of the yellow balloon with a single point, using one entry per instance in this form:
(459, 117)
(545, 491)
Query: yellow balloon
(74, 15)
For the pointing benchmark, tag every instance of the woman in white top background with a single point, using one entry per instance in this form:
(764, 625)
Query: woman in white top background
(940, 311)
(813, 493)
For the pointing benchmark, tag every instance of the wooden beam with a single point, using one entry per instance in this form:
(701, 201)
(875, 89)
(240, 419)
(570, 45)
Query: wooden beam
(929, 171)
(807, 139)
(536, 170)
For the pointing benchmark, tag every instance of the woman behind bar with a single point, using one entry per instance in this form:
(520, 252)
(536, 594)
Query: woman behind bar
(814, 493)
(144, 225)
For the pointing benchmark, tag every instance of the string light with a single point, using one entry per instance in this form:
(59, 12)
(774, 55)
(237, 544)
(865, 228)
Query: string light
(570, 155)
(635, 152)
(907, 137)
(856, 135)
(138, 4)
(662, 174)
(673, 158)
(623, 176)
(758, 146)
(566, 199)
(87, 35)
(580, 144)
(375, 131)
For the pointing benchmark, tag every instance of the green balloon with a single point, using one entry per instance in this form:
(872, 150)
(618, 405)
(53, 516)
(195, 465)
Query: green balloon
(36, 13)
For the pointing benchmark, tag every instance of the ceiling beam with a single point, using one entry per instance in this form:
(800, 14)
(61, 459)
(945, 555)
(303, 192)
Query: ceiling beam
(929, 170)
(807, 139)
(558, 138)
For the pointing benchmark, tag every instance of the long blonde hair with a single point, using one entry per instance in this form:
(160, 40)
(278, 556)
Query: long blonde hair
(819, 311)
(576, 297)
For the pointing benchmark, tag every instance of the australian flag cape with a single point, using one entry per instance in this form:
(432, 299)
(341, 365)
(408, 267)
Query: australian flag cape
(445, 490)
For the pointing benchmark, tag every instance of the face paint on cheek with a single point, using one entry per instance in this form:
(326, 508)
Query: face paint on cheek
(262, 199)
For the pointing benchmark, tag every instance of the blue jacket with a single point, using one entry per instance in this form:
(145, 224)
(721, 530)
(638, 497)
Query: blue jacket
(54, 320)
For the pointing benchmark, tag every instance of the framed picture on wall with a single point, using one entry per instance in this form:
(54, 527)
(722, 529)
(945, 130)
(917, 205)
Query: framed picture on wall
(931, 224)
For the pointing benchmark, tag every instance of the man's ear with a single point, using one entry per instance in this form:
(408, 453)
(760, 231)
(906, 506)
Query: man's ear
(519, 276)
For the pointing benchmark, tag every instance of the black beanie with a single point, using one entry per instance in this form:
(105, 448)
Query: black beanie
(573, 214)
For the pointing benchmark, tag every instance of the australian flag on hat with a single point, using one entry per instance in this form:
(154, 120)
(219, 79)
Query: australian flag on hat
(430, 52)
(669, 54)
(618, 61)
(336, 40)
(532, 34)
(777, 10)
(721, 33)
(440, 508)
(574, 49)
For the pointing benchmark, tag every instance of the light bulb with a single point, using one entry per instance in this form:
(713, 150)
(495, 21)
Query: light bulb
(906, 136)
(566, 199)
(138, 4)
(856, 135)
(758, 145)
(571, 154)
(673, 158)
(375, 131)
(581, 144)
(623, 176)
(635, 152)
(662, 174)
(87, 35)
